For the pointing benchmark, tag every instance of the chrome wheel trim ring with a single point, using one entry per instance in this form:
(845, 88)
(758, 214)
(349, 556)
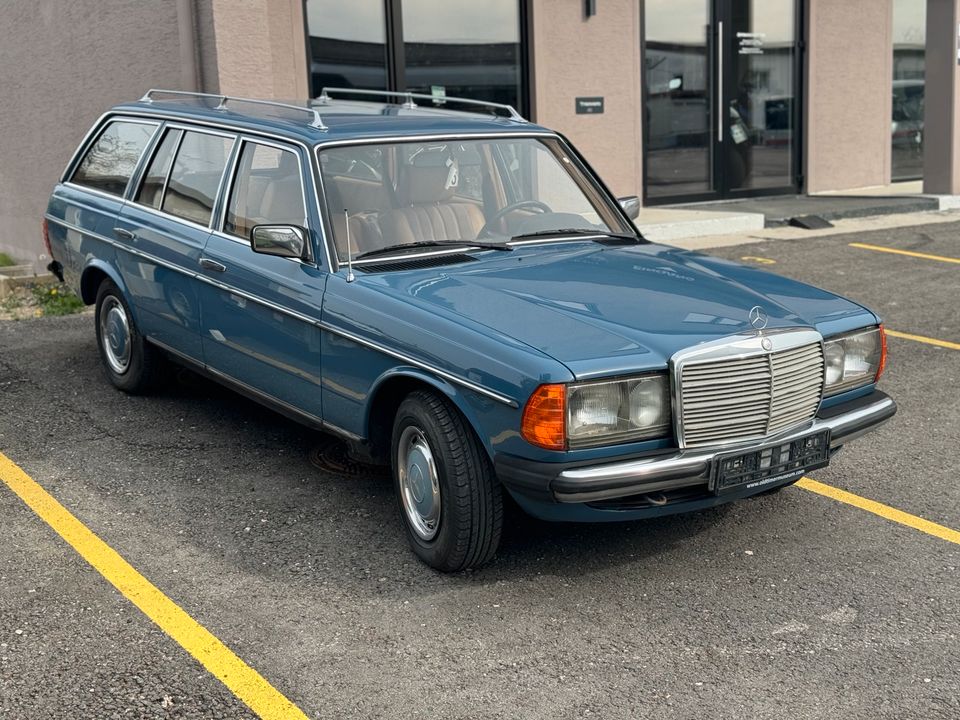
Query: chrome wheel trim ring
(115, 335)
(419, 483)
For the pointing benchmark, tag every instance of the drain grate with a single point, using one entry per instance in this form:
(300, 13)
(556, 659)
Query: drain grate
(333, 456)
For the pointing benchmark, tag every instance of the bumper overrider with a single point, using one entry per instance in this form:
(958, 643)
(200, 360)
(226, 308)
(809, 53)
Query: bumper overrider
(672, 480)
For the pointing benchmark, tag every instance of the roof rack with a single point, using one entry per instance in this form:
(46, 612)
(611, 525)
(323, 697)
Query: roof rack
(410, 96)
(316, 122)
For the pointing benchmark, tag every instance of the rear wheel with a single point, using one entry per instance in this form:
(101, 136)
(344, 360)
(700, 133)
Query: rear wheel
(448, 495)
(129, 362)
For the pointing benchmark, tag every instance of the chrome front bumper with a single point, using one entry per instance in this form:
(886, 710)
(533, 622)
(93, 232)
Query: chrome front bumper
(681, 468)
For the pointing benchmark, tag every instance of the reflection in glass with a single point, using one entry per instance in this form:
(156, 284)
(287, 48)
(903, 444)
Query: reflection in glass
(347, 44)
(758, 150)
(110, 161)
(909, 50)
(463, 48)
(677, 119)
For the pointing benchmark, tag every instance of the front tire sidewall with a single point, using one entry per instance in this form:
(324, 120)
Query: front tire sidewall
(464, 538)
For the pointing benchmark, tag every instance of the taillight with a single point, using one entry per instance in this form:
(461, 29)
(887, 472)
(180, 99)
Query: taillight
(544, 422)
(46, 238)
(883, 354)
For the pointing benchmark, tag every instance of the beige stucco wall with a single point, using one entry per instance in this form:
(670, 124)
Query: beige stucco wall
(574, 57)
(61, 65)
(260, 46)
(848, 94)
(941, 161)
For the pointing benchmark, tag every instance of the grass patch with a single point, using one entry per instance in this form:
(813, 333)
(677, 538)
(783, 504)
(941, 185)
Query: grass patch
(56, 300)
(6, 260)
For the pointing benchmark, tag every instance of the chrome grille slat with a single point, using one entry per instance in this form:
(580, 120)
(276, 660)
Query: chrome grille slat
(745, 398)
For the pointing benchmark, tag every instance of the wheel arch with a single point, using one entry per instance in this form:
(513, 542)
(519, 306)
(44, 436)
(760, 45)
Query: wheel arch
(390, 389)
(93, 275)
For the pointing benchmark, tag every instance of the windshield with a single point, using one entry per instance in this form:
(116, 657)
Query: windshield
(445, 191)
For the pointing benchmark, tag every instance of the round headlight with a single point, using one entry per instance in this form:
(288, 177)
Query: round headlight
(646, 403)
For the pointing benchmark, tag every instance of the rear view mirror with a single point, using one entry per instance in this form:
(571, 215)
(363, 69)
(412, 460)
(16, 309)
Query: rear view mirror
(630, 205)
(287, 241)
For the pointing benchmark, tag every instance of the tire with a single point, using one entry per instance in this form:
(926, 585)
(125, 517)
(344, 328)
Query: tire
(129, 362)
(454, 515)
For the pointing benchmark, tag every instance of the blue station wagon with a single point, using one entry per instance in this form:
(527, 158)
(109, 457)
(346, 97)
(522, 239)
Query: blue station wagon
(455, 294)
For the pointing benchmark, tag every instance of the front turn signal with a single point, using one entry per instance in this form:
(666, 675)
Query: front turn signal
(544, 418)
(883, 355)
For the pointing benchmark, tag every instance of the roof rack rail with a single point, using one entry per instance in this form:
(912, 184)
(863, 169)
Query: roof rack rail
(410, 96)
(316, 122)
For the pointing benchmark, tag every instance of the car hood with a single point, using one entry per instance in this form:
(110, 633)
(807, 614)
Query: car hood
(604, 310)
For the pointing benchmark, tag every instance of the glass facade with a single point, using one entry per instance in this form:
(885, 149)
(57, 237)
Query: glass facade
(909, 52)
(455, 48)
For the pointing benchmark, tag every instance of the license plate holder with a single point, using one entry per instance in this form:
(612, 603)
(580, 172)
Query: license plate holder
(771, 464)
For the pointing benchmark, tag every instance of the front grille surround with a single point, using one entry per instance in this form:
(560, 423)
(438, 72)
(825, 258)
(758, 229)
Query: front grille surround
(734, 390)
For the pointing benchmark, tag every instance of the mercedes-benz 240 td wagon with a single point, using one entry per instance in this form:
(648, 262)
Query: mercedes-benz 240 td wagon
(457, 294)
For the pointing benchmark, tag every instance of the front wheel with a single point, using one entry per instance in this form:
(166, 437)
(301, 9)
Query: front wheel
(447, 492)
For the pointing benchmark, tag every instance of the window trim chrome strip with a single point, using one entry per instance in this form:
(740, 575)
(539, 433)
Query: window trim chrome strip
(451, 377)
(332, 266)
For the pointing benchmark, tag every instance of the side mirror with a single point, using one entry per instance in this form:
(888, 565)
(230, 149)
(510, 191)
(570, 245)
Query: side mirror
(630, 205)
(287, 241)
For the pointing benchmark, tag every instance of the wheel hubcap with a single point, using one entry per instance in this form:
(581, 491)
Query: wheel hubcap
(419, 483)
(115, 335)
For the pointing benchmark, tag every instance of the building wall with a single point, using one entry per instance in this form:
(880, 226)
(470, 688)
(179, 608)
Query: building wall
(261, 48)
(574, 56)
(848, 94)
(63, 64)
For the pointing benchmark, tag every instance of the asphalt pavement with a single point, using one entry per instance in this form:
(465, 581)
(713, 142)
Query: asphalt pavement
(791, 605)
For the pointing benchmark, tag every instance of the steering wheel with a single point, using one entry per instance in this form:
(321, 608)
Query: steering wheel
(542, 207)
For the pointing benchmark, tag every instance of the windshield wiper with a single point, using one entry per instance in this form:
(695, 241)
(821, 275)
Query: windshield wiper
(433, 243)
(595, 235)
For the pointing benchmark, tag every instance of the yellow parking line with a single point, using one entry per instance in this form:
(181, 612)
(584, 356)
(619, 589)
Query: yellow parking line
(923, 339)
(884, 511)
(242, 680)
(895, 251)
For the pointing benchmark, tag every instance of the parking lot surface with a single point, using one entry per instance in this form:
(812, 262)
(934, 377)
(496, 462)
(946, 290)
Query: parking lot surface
(791, 605)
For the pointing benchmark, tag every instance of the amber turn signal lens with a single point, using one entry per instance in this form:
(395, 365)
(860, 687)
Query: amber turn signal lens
(544, 418)
(883, 354)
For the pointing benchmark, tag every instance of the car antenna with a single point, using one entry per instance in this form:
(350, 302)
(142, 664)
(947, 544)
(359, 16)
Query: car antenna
(350, 276)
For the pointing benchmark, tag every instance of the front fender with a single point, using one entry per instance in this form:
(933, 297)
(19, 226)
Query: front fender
(382, 399)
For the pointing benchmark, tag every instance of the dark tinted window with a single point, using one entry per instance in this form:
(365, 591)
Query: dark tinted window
(111, 160)
(347, 44)
(267, 190)
(195, 176)
(151, 191)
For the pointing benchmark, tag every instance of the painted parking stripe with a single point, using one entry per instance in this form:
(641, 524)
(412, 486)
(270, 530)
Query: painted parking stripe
(242, 680)
(884, 511)
(910, 253)
(923, 339)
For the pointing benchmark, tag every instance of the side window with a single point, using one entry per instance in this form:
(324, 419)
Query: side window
(195, 176)
(267, 190)
(155, 179)
(111, 160)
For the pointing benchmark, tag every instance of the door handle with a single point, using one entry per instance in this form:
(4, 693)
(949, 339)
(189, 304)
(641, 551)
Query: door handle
(720, 119)
(208, 264)
(124, 233)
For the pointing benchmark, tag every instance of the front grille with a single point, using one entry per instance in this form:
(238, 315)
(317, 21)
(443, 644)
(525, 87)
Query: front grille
(744, 398)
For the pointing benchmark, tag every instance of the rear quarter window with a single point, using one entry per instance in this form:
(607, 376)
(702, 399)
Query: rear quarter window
(111, 160)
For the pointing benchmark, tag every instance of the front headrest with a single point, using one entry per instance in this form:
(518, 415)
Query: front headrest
(425, 185)
(288, 164)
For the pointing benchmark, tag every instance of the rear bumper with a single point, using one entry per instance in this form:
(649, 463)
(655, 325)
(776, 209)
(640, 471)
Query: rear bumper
(672, 470)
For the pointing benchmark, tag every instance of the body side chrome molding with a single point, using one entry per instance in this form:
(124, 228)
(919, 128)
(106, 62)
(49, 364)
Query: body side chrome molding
(455, 379)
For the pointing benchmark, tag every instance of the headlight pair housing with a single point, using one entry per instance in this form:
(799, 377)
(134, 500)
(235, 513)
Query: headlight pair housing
(854, 359)
(604, 412)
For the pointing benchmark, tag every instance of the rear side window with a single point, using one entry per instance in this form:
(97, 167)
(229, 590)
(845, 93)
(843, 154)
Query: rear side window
(155, 180)
(267, 190)
(195, 176)
(111, 160)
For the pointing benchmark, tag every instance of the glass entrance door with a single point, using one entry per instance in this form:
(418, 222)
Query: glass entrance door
(721, 112)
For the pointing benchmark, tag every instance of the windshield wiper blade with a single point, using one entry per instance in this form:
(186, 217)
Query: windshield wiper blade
(595, 235)
(433, 243)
